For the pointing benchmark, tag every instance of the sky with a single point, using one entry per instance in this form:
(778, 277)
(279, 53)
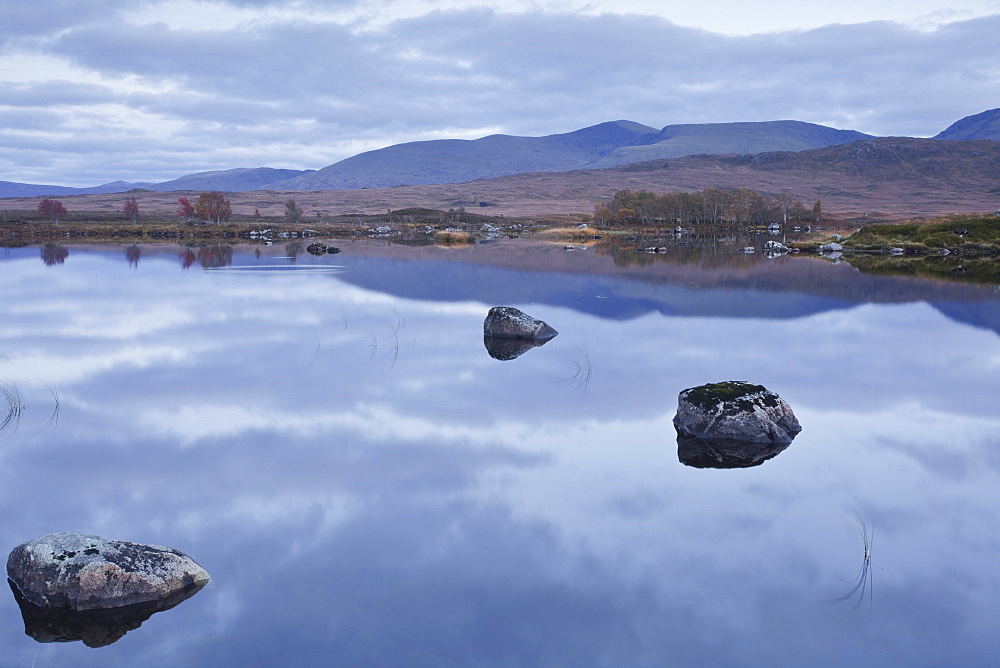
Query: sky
(93, 91)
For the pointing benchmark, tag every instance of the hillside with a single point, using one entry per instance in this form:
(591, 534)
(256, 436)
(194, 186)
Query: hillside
(678, 141)
(459, 160)
(890, 178)
(887, 159)
(980, 126)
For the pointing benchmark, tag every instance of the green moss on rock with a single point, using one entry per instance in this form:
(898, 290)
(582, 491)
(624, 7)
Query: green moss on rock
(716, 393)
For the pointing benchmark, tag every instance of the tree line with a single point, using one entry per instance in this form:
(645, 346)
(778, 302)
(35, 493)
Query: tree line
(212, 207)
(712, 206)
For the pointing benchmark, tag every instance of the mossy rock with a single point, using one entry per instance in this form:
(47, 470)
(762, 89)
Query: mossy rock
(735, 410)
(712, 394)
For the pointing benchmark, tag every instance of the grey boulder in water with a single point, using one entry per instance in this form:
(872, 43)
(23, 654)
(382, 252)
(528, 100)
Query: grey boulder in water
(507, 322)
(735, 410)
(76, 571)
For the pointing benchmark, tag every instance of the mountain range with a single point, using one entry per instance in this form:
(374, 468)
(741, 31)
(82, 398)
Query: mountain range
(610, 144)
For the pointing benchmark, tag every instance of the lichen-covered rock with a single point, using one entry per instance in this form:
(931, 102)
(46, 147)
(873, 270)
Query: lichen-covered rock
(78, 571)
(507, 322)
(735, 410)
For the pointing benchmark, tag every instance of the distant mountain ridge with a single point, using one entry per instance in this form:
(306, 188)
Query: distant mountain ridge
(460, 160)
(678, 141)
(978, 126)
(606, 145)
(229, 180)
(596, 147)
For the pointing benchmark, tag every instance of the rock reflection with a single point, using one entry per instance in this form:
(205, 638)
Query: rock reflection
(95, 628)
(506, 349)
(724, 453)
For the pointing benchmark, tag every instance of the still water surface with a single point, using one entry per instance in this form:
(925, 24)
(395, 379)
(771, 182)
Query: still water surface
(330, 439)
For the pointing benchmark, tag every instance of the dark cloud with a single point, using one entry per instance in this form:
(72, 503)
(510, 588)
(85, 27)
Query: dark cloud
(321, 83)
(41, 19)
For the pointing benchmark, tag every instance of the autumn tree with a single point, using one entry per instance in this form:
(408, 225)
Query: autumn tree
(213, 207)
(293, 213)
(52, 209)
(131, 209)
(186, 209)
(817, 211)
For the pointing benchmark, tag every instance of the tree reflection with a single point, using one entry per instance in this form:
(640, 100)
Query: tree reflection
(187, 258)
(133, 253)
(293, 250)
(211, 257)
(54, 254)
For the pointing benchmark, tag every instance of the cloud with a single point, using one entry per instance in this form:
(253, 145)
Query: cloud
(290, 86)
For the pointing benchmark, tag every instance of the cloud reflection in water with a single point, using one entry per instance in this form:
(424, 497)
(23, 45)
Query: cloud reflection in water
(441, 507)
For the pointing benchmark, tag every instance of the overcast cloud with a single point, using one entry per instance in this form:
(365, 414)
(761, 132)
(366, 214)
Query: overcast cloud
(92, 92)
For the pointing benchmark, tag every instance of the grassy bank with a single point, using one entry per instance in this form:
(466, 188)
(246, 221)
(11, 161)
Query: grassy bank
(981, 271)
(962, 236)
(26, 228)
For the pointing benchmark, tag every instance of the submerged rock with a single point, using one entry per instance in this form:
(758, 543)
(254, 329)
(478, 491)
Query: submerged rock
(507, 322)
(75, 571)
(774, 249)
(735, 410)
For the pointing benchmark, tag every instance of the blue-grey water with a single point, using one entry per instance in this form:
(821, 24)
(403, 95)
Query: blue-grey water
(366, 485)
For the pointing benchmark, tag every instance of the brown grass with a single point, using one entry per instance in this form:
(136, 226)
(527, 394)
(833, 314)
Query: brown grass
(453, 237)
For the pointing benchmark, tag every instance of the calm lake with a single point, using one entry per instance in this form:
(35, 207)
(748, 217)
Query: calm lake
(330, 438)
